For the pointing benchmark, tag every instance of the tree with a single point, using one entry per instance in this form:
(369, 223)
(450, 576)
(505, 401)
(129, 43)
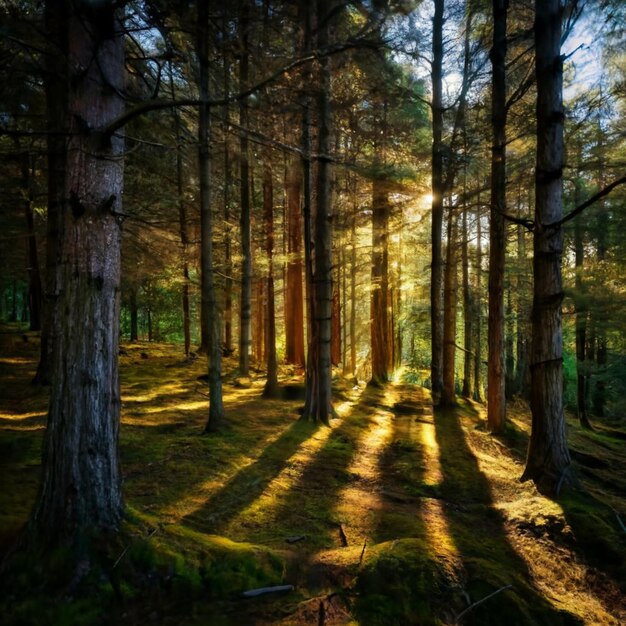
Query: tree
(548, 461)
(81, 490)
(436, 268)
(210, 310)
(496, 399)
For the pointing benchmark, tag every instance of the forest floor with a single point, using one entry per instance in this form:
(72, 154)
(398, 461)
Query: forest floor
(394, 515)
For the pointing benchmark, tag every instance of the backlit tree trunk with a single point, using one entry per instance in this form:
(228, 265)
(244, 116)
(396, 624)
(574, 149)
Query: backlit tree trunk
(436, 269)
(468, 312)
(379, 298)
(548, 462)
(245, 310)
(271, 385)
(81, 490)
(496, 399)
(294, 304)
(448, 395)
(478, 378)
(318, 406)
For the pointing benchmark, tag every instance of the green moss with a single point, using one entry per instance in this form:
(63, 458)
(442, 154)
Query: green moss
(403, 582)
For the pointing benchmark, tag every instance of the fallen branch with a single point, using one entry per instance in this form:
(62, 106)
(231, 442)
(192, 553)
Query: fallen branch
(479, 602)
(295, 538)
(253, 593)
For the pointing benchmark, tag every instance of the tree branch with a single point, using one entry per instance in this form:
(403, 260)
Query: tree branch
(579, 209)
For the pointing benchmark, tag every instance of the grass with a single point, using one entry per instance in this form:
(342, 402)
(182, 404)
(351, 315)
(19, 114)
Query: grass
(404, 518)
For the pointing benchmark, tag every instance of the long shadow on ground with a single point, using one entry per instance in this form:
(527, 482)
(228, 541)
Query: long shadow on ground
(477, 530)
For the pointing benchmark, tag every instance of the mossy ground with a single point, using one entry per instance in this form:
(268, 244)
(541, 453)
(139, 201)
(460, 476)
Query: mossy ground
(408, 517)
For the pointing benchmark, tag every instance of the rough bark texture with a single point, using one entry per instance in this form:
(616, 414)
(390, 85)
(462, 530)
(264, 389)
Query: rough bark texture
(209, 296)
(496, 399)
(548, 462)
(81, 490)
(318, 406)
(294, 304)
(436, 269)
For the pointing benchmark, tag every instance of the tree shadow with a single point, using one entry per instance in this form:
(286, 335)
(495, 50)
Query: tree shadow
(477, 530)
(309, 505)
(249, 483)
(402, 466)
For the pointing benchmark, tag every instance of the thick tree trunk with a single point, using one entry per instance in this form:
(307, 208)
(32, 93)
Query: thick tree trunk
(320, 405)
(294, 304)
(548, 462)
(228, 257)
(81, 489)
(436, 268)
(245, 309)
(212, 330)
(496, 400)
(271, 389)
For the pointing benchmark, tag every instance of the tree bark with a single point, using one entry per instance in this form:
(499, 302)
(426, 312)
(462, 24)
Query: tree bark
(245, 309)
(320, 398)
(134, 318)
(271, 389)
(294, 304)
(478, 378)
(448, 395)
(379, 298)
(548, 462)
(496, 399)
(468, 312)
(212, 320)
(436, 268)
(81, 489)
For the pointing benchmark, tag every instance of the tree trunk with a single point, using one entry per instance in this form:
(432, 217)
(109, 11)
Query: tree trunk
(548, 462)
(379, 298)
(320, 406)
(353, 276)
(496, 400)
(228, 257)
(436, 304)
(448, 396)
(294, 304)
(212, 329)
(245, 310)
(478, 378)
(468, 313)
(81, 489)
(335, 345)
(271, 389)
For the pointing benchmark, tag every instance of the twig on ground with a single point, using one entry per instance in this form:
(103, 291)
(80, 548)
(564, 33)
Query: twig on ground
(479, 602)
(252, 593)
